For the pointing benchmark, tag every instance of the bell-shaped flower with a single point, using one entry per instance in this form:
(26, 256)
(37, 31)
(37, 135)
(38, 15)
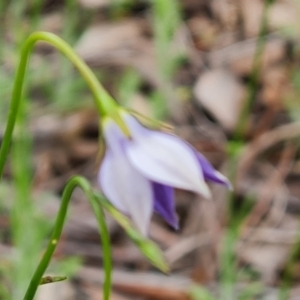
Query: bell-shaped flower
(139, 173)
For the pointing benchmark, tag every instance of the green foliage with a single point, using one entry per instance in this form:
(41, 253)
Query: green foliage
(28, 225)
(69, 86)
(129, 84)
(67, 266)
(198, 292)
(166, 23)
(52, 279)
(149, 249)
(120, 8)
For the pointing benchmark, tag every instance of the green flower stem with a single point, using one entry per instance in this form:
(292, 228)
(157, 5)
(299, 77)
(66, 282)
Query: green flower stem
(104, 102)
(74, 182)
(106, 247)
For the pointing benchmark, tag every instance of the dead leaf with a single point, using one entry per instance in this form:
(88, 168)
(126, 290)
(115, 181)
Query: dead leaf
(227, 12)
(239, 56)
(285, 14)
(268, 259)
(112, 41)
(221, 93)
(59, 290)
(152, 285)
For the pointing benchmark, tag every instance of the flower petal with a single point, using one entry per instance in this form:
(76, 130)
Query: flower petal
(164, 158)
(122, 184)
(210, 173)
(164, 203)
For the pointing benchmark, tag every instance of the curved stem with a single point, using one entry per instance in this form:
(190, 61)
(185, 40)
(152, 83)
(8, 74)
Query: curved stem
(58, 227)
(104, 102)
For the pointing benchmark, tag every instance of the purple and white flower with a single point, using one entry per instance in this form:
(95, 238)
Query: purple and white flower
(139, 173)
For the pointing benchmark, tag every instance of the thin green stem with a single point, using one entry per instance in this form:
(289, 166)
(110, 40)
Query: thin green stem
(254, 76)
(104, 102)
(106, 247)
(74, 182)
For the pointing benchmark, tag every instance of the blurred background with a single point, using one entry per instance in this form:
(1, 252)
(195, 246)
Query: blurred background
(225, 74)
